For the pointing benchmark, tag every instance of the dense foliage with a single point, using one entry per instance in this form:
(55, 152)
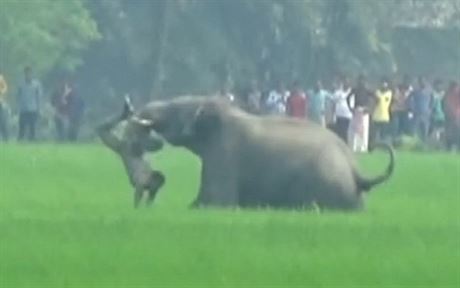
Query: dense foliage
(158, 48)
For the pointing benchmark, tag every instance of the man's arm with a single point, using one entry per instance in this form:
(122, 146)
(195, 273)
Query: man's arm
(349, 98)
(105, 132)
(38, 95)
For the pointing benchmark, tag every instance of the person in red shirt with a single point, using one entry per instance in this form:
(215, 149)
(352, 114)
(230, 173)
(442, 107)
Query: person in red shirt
(296, 105)
(452, 111)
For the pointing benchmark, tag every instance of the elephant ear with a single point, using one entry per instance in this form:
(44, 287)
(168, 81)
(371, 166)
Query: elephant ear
(205, 120)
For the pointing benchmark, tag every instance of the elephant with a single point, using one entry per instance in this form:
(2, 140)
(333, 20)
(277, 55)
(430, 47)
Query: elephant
(260, 161)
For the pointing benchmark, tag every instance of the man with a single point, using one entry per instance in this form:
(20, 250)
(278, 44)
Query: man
(28, 97)
(59, 103)
(275, 102)
(3, 109)
(452, 111)
(399, 121)
(381, 113)
(141, 176)
(76, 107)
(254, 98)
(342, 112)
(296, 104)
(420, 108)
(317, 104)
(361, 96)
(438, 117)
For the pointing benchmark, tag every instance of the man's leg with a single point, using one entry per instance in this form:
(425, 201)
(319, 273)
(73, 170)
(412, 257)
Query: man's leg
(59, 128)
(365, 133)
(3, 123)
(386, 132)
(395, 125)
(22, 125)
(157, 181)
(74, 127)
(33, 117)
(354, 133)
(422, 129)
(138, 191)
(457, 135)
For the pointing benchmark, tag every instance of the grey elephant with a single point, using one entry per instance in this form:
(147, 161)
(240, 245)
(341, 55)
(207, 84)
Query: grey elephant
(253, 161)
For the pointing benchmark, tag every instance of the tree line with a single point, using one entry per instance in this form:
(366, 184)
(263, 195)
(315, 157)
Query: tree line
(155, 49)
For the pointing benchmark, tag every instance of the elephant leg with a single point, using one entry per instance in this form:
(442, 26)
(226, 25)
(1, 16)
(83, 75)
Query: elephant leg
(219, 186)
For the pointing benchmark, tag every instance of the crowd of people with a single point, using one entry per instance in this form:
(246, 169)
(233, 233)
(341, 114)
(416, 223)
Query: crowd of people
(68, 108)
(359, 114)
(362, 115)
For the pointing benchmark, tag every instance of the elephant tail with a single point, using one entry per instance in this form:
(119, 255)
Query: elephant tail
(366, 184)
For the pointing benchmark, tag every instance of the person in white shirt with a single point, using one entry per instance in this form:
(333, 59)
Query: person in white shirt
(276, 101)
(342, 111)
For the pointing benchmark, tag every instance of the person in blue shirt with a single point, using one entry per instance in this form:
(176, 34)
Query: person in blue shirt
(420, 108)
(28, 102)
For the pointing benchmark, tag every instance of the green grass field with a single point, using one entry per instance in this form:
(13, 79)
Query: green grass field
(66, 220)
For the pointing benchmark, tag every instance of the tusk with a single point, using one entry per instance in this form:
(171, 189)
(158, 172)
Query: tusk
(143, 122)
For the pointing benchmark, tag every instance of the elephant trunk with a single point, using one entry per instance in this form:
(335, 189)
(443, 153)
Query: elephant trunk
(366, 184)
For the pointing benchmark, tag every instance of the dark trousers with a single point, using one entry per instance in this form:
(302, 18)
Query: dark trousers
(341, 128)
(379, 132)
(27, 124)
(453, 134)
(398, 123)
(422, 126)
(3, 123)
(60, 128)
(74, 129)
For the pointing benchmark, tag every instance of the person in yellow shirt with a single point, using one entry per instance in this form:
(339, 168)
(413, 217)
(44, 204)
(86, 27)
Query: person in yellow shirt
(3, 108)
(381, 114)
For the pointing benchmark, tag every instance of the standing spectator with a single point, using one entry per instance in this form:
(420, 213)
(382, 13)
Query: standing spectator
(452, 110)
(437, 112)
(76, 108)
(3, 108)
(408, 122)
(254, 99)
(59, 103)
(296, 104)
(29, 96)
(342, 112)
(275, 102)
(317, 104)
(420, 108)
(381, 113)
(399, 121)
(359, 103)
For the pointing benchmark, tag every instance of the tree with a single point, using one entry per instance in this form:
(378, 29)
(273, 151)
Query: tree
(45, 34)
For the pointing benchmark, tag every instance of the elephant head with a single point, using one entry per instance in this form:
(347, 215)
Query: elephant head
(187, 121)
